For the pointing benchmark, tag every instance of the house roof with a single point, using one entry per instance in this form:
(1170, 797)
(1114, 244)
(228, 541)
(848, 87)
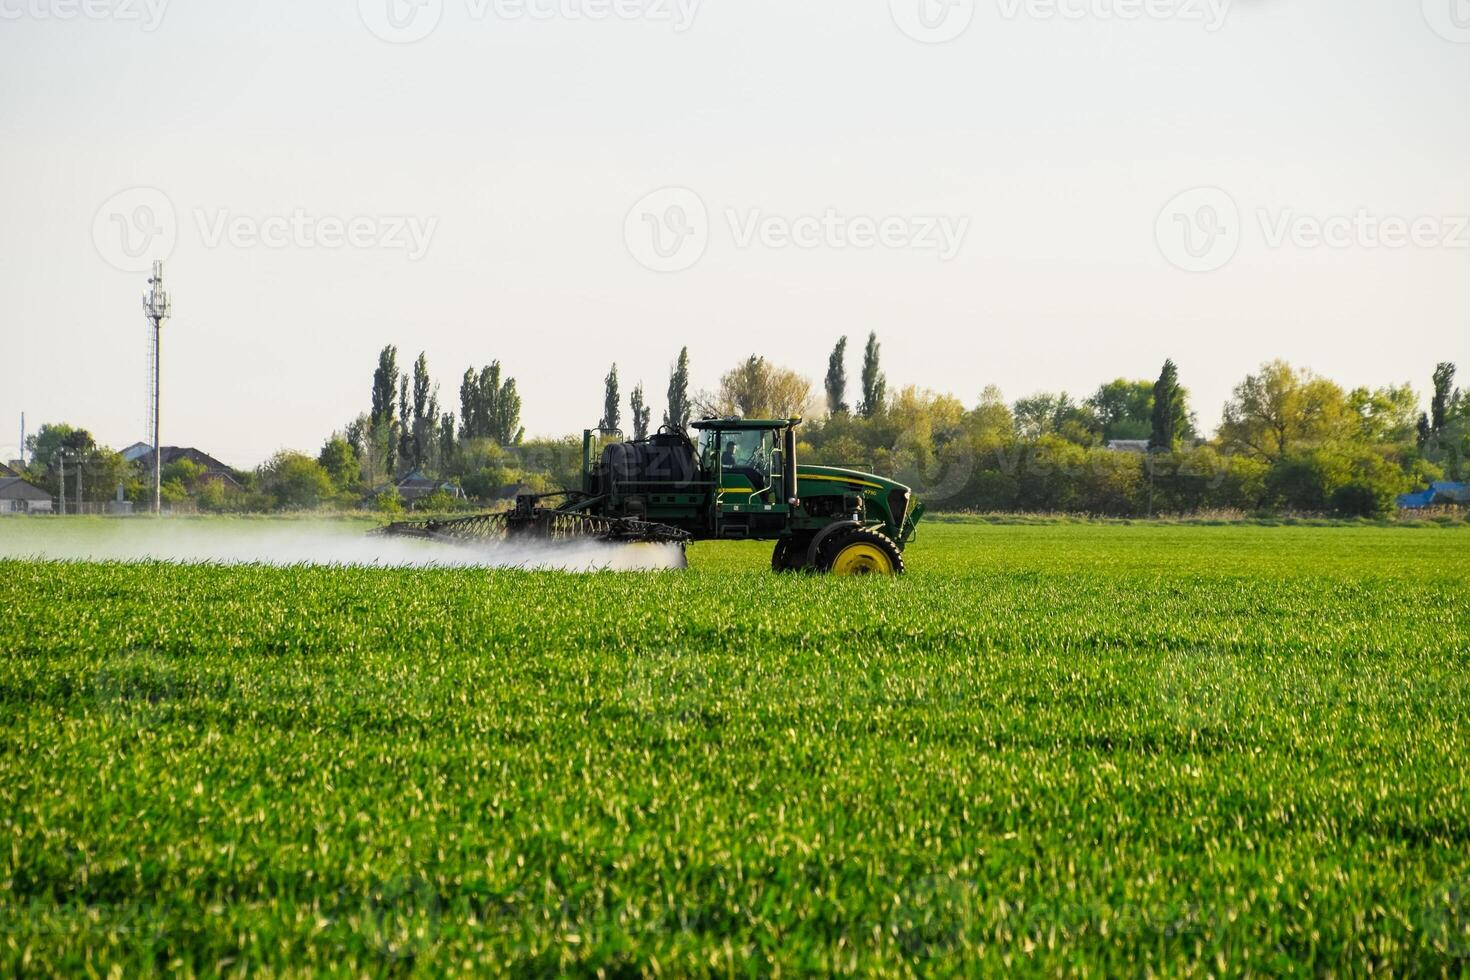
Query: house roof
(1457, 492)
(14, 488)
(172, 454)
(6, 471)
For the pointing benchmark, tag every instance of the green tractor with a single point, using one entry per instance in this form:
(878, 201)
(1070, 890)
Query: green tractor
(740, 481)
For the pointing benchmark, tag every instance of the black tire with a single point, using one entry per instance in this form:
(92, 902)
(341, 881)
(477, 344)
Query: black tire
(860, 552)
(790, 555)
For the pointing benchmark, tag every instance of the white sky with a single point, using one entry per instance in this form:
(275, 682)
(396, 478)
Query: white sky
(529, 139)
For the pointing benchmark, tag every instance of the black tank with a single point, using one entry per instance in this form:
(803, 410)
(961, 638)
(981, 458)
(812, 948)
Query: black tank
(664, 459)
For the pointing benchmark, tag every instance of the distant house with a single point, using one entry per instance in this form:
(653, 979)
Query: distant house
(1439, 494)
(19, 497)
(141, 454)
(6, 471)
(1128, 445)
(416, 486)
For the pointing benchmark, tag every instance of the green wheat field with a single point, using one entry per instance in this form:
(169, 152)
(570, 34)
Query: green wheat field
(1076, 749)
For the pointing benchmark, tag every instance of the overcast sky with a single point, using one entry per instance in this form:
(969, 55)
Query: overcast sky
(1039, 195)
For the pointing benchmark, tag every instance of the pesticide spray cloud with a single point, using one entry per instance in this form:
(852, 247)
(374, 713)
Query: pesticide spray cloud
(267, 542)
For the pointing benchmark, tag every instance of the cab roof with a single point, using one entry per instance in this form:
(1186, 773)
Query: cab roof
(733, 422)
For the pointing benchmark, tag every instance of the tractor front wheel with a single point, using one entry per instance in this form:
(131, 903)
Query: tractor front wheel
(861, 552)
(790, 554)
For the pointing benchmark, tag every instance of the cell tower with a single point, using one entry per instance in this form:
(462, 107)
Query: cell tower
(157, 308)
(151, 383)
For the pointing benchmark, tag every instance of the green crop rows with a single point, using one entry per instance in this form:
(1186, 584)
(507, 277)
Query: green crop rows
(1074, 749)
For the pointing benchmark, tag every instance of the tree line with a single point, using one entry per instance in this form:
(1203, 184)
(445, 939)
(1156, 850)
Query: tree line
(1289, 440)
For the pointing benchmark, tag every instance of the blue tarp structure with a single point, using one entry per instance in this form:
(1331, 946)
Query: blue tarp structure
(1442, 492)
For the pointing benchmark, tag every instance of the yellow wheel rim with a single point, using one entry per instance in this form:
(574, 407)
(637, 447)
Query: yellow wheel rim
(862, 559)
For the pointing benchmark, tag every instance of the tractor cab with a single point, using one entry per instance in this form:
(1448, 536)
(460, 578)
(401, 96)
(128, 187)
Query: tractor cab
(751, 466)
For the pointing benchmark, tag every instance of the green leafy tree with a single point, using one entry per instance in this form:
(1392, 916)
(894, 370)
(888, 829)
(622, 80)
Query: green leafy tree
(678, 413)
(421, 426)
(1123, 409)
(490, 407)
(757, 388)
(44, 445)
(612, 412)
(507, 429)
(447, 442)
(1440, 403)
(340, 460)
(837, 379)
(1048, 414)
(1388, 415)
(874, 384)
(385, 385)
(642, 414)
(1279, 409)
(1168, 410)
(295, 481)
(383, 418)
(405, 429)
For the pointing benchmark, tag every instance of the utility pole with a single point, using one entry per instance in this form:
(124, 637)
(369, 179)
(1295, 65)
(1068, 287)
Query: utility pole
(61, 497)
(157, 308)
